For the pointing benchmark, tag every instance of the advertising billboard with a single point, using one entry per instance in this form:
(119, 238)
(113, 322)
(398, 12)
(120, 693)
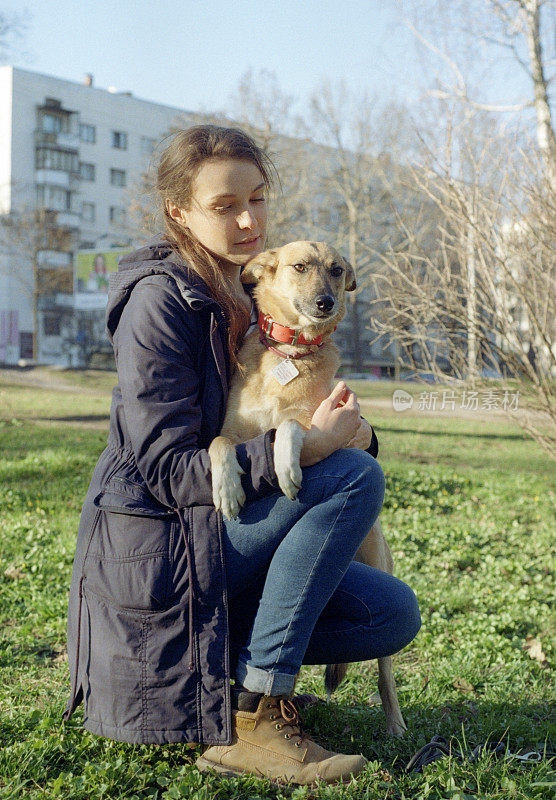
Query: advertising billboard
(92, 268)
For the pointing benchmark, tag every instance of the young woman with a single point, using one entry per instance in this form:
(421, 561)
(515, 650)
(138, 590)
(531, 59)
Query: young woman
(169, 604)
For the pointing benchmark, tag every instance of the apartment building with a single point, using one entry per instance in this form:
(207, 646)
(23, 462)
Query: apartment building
(69, 154)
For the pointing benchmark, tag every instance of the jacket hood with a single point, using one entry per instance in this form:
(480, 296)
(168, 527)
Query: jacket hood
(157, 257)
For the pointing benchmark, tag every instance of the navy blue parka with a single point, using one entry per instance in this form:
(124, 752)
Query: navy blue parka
(151, 665)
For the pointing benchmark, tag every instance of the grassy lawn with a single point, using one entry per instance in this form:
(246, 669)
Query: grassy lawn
(469, 515)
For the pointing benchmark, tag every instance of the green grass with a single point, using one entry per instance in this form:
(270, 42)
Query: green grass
(469, 515)
(42, 406)
(102, 380)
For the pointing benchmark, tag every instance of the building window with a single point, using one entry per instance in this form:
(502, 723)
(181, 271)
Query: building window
(119, 140)
(87, 133)
(53, 123)
(51, 325)
(88, 212)
(86, 171)
(117, 216)
(49, 158)
(25, 344)
(147, 145)
(117, 177)
(54, 198)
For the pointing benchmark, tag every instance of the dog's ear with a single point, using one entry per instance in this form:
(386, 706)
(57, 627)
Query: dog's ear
(252, 271)
(351, 283)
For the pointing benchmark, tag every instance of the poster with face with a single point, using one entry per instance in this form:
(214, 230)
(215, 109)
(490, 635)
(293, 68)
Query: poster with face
(93, 268)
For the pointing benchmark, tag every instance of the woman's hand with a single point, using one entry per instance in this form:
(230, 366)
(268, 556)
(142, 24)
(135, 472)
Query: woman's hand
(333, 426)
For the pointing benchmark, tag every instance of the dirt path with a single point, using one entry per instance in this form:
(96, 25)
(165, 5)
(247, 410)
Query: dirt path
(76, 422)
(479, 415)
(47, 379)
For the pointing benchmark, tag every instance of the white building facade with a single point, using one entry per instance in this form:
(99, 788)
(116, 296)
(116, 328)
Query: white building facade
(73, 151)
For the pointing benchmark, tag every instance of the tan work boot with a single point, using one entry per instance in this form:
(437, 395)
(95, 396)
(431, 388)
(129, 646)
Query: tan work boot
(269, 742)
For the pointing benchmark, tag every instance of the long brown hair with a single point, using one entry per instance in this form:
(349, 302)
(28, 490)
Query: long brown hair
(177, 169)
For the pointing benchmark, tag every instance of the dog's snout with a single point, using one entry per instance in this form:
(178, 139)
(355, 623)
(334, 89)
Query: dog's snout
(324, 302)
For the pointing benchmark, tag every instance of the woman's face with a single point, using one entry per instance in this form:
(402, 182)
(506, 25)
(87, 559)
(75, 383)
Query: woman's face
(228, 210)
(100, 266)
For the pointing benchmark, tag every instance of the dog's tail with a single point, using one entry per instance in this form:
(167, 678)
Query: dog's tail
(333, 676)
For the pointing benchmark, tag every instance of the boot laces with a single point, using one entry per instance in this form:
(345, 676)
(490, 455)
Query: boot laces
(292, 719)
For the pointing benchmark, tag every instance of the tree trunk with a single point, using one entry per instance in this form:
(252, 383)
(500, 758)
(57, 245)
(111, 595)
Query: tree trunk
(471, 306)
(35, 307)
(358, 365)
(545, 131)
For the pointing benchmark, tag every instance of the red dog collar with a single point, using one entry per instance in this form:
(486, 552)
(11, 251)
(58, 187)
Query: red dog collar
(281, 333)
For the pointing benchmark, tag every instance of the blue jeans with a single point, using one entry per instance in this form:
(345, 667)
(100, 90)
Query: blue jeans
(295, 594)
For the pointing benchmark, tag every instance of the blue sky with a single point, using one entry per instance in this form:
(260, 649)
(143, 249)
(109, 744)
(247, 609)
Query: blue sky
(191, 54)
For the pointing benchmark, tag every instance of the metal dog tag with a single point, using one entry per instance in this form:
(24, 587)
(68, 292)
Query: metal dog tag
(285, 372)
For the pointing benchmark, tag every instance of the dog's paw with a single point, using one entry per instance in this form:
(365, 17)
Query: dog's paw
(229, 497)
(287, 449)
(289, 479)
(227, 492)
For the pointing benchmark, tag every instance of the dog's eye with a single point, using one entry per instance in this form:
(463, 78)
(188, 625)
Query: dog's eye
(336, 270)
(299, 267)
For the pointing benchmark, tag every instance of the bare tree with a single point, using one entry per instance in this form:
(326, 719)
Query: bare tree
(522, 29)
(478, 298)
(27, 237)
(143, 215)
(521, 19)
(359, 179)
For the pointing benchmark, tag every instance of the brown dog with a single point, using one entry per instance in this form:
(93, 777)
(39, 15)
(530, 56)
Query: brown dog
(283, 378)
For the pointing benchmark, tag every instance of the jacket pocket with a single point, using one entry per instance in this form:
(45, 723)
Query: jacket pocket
(122, 495)
(137, 685)
(130, 562)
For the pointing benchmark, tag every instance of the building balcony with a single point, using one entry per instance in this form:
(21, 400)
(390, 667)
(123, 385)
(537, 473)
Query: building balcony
(67, 141)
(57, 177)
(53, 177)
(68, 219)
(59, 217)
(54, 258)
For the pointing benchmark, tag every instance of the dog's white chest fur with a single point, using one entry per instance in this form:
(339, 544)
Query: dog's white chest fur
(258, 401)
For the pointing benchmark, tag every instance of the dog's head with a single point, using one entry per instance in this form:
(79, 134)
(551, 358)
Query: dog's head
(301, 284)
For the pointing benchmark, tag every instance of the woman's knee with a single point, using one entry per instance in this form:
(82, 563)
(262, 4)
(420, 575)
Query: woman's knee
(357, 469)
(405, 617)
(366, 477)
(370, 468)
(355, 473)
